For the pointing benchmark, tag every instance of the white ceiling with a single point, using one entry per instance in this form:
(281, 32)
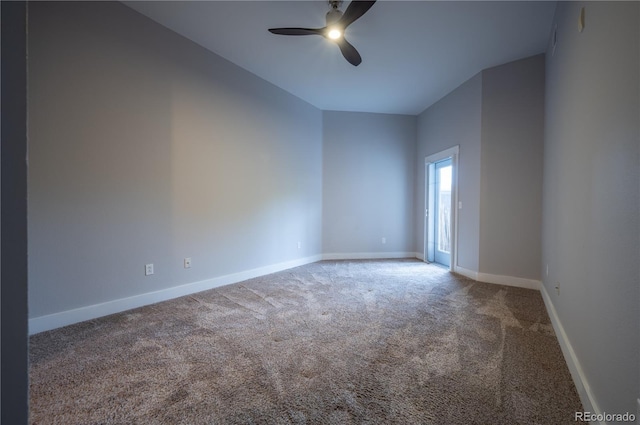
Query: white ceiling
(413, 52)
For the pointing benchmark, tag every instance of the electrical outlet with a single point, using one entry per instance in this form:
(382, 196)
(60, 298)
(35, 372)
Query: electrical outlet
(384, 241)
(148, 269)
(558, 288)
(187, 263)
(299, 245)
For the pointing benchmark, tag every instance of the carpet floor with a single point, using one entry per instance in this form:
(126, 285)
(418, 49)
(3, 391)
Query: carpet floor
(334, 342)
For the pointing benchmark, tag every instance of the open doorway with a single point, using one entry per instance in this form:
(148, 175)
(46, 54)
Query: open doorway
(440, 214)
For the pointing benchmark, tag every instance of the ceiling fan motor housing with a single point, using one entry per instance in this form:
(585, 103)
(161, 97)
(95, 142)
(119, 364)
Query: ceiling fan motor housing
(333, 16)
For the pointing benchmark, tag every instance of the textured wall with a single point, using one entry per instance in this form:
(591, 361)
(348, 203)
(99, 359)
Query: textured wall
(590, 196)
(146, 148)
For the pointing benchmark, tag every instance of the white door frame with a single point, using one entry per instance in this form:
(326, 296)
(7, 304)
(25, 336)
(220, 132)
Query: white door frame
(452, 153)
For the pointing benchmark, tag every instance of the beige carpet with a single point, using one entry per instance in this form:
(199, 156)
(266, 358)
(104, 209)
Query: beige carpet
(335, 342)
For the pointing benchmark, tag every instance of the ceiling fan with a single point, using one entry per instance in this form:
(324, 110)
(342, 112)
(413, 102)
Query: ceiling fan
(337, 23)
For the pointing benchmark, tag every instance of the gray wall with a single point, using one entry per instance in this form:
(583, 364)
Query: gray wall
(511, 168)
(590, 195)
(454, 120)
(146, 148)
(497, 119)
(368, 182)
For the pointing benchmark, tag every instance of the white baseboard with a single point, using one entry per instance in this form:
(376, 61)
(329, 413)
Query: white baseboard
(64, 318)
(579, 379)
(518, 282)
(471, 274)
(368, 255)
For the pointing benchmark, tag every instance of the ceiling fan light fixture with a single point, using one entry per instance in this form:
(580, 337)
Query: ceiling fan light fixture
(337, 23)
(334, 33)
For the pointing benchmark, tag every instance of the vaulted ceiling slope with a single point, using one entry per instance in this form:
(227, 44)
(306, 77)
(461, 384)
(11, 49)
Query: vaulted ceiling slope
(414, 52)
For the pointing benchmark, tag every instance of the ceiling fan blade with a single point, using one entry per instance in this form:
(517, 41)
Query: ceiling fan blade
(297, 31)
(349, 52)
(354, 11)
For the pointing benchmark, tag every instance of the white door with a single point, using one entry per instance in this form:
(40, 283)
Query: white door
(442, 212)
(440, 220)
